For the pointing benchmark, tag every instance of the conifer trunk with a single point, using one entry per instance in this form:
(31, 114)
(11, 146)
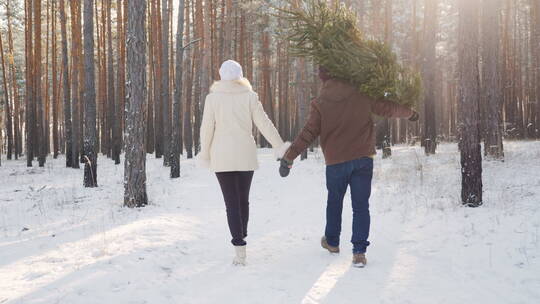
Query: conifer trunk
(150, 136)
(158, 110)
(112, 102)
(40, 134)
(29, 99)
(188, 85)
(14, 86)
(68, 129)
(165, 97)
(197, 62)
(469, 95)
(55, 83)
(429, 70)
(491, 91)
(121, 83)
(135, 163)
(535, 7)
(90, 132)
(9, 120)
(75, 81)
(177, 103)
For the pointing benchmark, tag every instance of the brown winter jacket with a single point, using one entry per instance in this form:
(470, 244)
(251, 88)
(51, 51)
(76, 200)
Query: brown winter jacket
(342, 117)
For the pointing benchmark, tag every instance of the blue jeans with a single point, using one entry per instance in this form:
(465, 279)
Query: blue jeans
(357, 174)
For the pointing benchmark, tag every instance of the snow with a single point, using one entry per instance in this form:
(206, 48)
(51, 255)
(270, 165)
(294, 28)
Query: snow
(62, 243)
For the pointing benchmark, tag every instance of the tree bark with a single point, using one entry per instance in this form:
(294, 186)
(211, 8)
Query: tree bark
(165, 98)
(55, 82)
(75, 80)
(206, 45)
(150, 132)
(68, 129)
(90, 132)
(197, 62)
(120, 85)
(384, 138)
(302, 99)
(135, 163)
(469, 95)
(491, 90)
(104, 132)
(535, 7)
(9, 119)
(429, 70)
(156, 58)
(188, 85)
(14, 86)
(177, 104)
(265, 74)
(45, 89)
(113, 103)
(38, 96)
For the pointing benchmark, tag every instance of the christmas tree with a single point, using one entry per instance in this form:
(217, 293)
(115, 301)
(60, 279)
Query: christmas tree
(328, 34)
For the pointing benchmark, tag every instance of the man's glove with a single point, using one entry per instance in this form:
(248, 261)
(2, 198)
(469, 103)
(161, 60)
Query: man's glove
(285, 167)
(414, 117)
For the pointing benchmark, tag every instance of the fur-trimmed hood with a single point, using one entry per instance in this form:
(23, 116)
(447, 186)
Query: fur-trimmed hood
(231, 86)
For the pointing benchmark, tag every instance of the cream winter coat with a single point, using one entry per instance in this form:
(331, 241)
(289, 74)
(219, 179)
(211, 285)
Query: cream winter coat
(227, 142)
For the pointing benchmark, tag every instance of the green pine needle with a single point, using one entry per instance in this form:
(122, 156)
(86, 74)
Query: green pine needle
(328, 34)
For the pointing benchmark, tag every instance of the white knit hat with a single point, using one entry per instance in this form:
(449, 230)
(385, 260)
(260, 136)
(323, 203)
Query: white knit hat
(231, 70)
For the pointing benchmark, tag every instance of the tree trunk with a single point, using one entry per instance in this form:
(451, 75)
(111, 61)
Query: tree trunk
(135, 163)
(156, 43)
(112, 102)
(491, 91)
(188, 85)
(384, 138)
(29, 99)
(165, 98)
(206, 45)
(38, 96)
(266, 74)
(90, 132)
(429, 70)
(302, 99)
(360, 9)
(15, 87)
(535, 7)
(55, 83)
(104, 133)
(469, 95)
(121, 84)
(150, 132)
(75, 80)
(197, 62)
(68, 129)
(177, 104)
(227, 25)
(9, 120)
(45, 89)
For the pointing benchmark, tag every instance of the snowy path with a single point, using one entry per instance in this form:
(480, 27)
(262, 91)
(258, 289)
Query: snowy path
(61, 243)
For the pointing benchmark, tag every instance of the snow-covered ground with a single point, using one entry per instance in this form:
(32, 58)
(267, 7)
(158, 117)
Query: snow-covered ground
(61, 243)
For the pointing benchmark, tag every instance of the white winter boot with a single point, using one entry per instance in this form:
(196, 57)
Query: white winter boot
(240, 258)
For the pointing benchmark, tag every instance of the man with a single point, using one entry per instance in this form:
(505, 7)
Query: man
(342, 117)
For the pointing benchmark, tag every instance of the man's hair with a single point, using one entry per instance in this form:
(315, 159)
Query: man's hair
(324, 74)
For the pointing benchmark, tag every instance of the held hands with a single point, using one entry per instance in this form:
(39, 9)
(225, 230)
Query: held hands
(285, 167)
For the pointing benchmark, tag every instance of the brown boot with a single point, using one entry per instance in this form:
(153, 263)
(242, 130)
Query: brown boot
(359, 260)
(326, 246)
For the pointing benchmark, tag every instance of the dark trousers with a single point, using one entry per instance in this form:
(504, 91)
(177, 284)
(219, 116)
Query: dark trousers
(235, 188)
(357, 174)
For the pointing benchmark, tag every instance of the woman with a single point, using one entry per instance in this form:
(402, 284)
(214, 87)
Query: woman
(229, 149)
